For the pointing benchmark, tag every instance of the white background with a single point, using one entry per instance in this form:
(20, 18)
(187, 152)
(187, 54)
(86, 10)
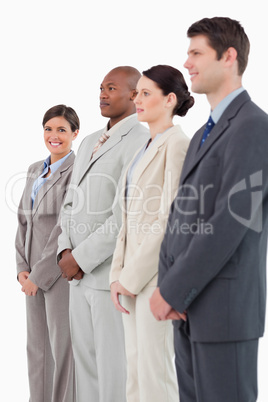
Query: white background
(58, 52)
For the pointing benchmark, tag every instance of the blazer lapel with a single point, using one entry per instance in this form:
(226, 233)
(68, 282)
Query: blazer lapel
(195, 153)
(111, 142)
(114, 139)
(51, 182)
(148, 157)
(28, 189)
(150, 154)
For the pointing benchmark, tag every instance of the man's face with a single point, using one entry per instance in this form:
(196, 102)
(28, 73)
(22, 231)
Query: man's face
(206, 72)
(115, 96)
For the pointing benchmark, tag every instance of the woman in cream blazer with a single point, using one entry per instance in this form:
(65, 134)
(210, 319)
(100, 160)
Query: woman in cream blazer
(151, 183)
(49, 350)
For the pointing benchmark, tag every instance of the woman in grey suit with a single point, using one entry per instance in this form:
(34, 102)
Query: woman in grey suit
(49, 351)
(150, 184)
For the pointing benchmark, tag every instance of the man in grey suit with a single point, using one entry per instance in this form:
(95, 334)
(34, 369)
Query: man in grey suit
(212, 270)
(91, 218)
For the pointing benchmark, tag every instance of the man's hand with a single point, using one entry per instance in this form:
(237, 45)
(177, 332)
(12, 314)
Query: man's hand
(159, 307)
(162, 310)
(175, 315)
(68, 265)
(116, 290)
(79, 275)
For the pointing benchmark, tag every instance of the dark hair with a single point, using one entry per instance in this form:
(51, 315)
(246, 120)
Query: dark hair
(223, 33)
(67, 112)
(169, 79)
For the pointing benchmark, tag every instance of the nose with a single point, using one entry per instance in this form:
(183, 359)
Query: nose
(137, 99)
(103, 94)
(53, 136)
(187, 63)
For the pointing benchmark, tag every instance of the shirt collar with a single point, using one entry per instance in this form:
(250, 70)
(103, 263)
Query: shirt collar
(54, 166)
(110, 131)
(220, 108)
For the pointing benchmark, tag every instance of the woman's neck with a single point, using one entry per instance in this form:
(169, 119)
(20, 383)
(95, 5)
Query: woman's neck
(156, 128)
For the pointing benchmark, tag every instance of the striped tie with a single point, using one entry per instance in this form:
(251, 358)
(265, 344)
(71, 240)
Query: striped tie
(103, 138)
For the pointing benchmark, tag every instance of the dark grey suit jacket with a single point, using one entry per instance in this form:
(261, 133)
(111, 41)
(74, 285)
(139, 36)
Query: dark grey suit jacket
(38, 227)
(213, 256)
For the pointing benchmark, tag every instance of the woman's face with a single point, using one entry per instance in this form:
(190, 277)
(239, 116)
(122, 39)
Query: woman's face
(58, 137)
(150, 101)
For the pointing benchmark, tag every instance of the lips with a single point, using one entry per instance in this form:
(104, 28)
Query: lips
(104, 104)
(139, 110)
(193, 75)
(55, 144)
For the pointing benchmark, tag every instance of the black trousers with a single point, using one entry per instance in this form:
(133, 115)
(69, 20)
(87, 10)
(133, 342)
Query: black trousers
(215, 372)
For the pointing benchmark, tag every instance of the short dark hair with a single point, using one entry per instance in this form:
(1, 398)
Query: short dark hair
(222, 33)
(62, 110)
(169, 79)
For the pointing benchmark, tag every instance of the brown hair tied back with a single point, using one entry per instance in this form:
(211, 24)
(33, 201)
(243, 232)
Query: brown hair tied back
(169, 79)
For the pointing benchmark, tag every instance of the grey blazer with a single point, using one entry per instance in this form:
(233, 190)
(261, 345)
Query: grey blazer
(38, 228)
(91, 216)
(213, 256)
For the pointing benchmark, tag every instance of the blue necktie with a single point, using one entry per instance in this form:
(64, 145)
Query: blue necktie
(209, 126)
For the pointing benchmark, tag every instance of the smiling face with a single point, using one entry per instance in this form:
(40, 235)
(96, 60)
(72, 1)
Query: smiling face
(58, 137)
(206, 72)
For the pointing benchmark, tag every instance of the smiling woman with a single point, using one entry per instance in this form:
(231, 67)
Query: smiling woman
(50, 358)
(60, 129)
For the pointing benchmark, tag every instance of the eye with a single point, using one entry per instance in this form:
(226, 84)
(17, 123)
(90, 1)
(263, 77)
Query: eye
(111, 88)
(145, 93)
(62, 130)
(47, 129)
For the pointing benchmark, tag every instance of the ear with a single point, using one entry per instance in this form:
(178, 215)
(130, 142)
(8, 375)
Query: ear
(133, 94)
(75, 134)
(230, 56)
(171, 100)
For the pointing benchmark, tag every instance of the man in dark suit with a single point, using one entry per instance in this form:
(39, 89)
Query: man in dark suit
(212, 270)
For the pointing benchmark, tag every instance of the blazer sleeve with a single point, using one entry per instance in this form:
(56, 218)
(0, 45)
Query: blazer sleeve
(118, 256)
(21, 260)
(243, 163)
(138, 272)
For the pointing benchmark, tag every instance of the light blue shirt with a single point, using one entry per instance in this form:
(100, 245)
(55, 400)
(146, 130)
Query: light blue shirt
(220, 108)
(40, 181)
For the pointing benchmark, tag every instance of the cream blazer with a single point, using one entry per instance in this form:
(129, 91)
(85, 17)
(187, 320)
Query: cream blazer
(154, 186)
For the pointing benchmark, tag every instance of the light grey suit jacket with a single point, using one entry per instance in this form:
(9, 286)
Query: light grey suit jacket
(213, 256)
(38, 228)
(91, 216)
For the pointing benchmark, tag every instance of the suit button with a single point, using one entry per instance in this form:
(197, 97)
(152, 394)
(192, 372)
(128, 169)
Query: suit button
(171, 259)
